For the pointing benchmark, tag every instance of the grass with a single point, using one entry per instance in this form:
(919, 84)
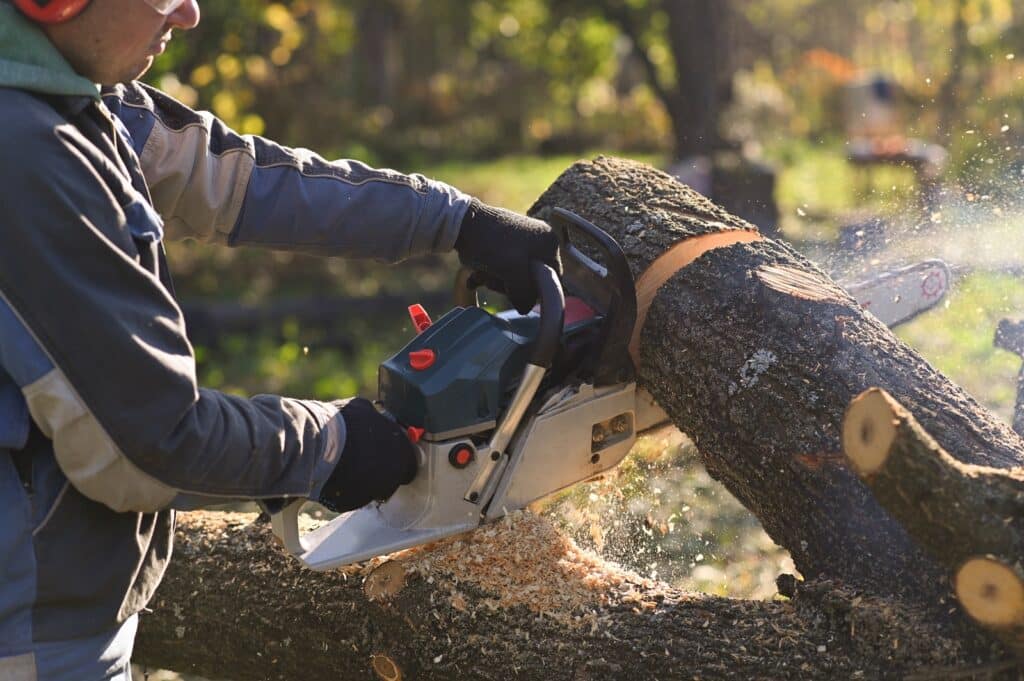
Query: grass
(513, 182)
(817, 189)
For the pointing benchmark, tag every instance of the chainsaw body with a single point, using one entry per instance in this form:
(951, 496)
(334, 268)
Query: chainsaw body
(504, 408)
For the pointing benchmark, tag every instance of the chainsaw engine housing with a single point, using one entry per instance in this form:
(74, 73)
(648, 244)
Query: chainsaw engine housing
(471, 368)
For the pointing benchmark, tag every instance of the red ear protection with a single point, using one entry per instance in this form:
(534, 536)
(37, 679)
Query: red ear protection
(50, 11)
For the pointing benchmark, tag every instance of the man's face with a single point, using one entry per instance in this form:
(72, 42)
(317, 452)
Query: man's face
(114, 41)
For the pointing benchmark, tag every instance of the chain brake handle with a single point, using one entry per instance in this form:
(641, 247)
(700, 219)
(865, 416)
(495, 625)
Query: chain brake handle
(606, 285)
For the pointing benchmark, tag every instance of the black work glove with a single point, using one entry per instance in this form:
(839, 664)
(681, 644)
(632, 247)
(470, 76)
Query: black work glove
(377, 458)
(500, 244)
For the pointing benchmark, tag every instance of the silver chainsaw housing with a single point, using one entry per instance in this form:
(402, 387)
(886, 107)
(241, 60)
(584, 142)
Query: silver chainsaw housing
(578, 433)
(429, 508)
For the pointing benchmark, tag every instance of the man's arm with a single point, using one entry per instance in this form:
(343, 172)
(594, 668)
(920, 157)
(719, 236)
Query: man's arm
(211, 183)
(98, 347)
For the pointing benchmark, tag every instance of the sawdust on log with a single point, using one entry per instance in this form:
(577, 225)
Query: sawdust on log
(523, 560)
(520, 560)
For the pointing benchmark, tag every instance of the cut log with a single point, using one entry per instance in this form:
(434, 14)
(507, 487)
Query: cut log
(992, 592)
(516, 600)
(961, 514)
(755, 353)
(953, 510)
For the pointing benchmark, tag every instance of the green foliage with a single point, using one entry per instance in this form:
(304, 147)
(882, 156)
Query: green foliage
(399, 79)
(410, 81)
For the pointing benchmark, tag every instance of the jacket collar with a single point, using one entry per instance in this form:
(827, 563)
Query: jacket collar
(29, 61)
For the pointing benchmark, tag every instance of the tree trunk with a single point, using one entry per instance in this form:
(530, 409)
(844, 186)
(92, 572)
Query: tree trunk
(695, 34)
(516, 600)
(948, 93)
(755, 354)
(377, 53)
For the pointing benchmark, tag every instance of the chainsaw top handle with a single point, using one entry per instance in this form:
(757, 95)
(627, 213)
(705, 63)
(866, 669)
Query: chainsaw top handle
(606, 286)
(552, 307)
(552, 314)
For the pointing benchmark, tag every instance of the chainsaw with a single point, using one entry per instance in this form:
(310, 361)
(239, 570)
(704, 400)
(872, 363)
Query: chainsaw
(505, 408)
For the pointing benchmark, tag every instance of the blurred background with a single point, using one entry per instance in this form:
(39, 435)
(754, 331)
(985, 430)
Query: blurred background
(868, 134)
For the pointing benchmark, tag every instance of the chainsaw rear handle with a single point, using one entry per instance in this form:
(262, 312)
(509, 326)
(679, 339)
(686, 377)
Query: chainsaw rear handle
(285, 526)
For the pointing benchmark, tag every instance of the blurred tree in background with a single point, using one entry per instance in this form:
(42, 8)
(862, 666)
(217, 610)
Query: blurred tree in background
(404, 81)
(408, 82)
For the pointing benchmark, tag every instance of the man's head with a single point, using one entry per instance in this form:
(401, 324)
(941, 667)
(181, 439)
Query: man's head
(110, 41)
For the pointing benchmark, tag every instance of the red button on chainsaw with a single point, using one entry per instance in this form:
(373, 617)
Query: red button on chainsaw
(461, 456)
(422, 359)
(420, 318)
(414, 433)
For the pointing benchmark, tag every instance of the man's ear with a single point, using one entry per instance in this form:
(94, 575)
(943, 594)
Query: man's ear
(50, 11)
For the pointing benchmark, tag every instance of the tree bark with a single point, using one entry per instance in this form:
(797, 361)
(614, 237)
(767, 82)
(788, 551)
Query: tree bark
(953, 510)
(755, 354)
(516, 600)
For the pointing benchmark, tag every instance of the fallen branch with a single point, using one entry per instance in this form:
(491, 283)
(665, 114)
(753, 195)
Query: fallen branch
(963, 515)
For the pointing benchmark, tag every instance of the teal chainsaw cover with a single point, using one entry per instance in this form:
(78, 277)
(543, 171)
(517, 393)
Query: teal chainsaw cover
(458, 373)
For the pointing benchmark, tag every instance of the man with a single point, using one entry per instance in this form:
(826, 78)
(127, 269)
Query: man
(103, 430)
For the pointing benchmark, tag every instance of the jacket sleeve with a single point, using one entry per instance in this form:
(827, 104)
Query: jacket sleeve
(98, 347)
(210, 183)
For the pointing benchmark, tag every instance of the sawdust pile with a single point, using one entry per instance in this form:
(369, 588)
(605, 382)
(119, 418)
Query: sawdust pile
(524, 560)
